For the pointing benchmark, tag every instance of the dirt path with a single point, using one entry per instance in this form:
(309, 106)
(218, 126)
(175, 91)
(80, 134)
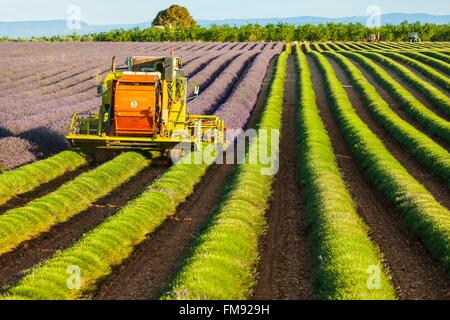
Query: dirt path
(29, 254)
(423, 175)
(155, 261)
(285, 269)
(415, 274)
(42, 190)
(395, 106)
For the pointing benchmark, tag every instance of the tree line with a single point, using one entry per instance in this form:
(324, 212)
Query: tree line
(268, 33)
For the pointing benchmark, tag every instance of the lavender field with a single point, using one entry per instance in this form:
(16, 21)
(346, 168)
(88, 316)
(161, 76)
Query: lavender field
(43, 84)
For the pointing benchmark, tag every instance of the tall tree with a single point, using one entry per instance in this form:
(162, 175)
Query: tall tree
(175, 16)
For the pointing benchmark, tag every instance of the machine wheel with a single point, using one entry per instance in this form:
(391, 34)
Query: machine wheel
(102, 155)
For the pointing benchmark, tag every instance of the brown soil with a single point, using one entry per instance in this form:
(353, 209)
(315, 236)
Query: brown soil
(395, 106)
(154, 262)
(322, 46)
(415, 274)
(423, 175)
(42, 190)
(14, 264)
(285, 269)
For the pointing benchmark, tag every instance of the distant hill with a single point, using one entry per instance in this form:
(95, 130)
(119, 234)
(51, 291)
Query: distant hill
(28, 29)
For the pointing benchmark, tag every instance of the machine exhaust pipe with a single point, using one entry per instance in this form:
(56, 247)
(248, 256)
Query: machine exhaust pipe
(113, 64)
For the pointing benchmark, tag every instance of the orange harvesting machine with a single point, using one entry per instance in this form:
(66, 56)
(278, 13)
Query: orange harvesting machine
(144, 107)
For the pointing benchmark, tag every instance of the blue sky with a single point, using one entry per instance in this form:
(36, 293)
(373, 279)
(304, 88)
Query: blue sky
(133, 11)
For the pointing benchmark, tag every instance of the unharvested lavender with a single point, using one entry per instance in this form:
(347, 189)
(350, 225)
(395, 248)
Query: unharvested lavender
(237, 109)
(58, 79)
(16, 151)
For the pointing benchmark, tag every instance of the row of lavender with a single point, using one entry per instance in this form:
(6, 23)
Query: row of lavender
(42, 84)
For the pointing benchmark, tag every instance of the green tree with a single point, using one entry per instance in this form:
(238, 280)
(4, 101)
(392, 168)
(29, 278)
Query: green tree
(175, 16)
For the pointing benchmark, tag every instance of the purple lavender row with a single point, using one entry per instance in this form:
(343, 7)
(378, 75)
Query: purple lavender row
(44, 132)
(60, 82)
(56, 117)
(42, 75)
(50, 87)
(43, 108)
(77, 58)
(74, 89)
(48, 61)
(53, 110)
(50, 115)
(16, 151)
(199, 63)
(237, 109)
(38, 76)
(218, 91)
(211, 71)
(47, 99)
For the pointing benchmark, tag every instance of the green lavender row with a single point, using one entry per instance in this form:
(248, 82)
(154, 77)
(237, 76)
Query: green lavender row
(439, 99)
(428, 119)
(424, 216)
(222, 264)
(111, 242)
(434, 75)
(430, 154)
(438, 64)
(342, 249)
(29, 177)
(25, 223)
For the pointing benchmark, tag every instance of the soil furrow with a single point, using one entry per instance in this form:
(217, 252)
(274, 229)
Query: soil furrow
(285, 269)
(152, 265)
(421, 174)
(14, 264)
(395, 106)
(415, 274)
